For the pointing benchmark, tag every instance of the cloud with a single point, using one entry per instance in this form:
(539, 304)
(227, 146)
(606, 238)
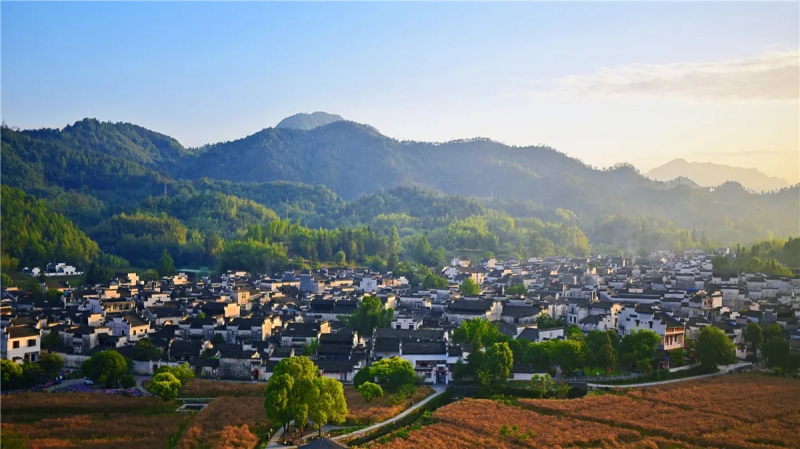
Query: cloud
(773, 76)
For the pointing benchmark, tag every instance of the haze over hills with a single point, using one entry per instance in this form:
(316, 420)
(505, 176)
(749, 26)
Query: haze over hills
(708, 174)
(308, 121)
(110, 179)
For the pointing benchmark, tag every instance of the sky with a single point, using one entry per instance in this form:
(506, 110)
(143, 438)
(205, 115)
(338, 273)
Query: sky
(637, 82)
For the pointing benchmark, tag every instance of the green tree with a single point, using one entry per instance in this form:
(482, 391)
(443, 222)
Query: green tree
(51, 341)
(422, 251)
(165, 266)
(293, 389)
(310, 350)
(771, 331)
(392, 261)
(217, 339)
(11, 374)
(182, 372)
(495, 367)
(754, 336)
(165, 385)
(714, 347)
(363, 375)
(469, 287)
(677, 357)
(601, 350)
(150, 275)
(434, 281)
(478, 332)
(52, 297)
(777, 353)
(545, 321)
(638, 348)
(370, 391)
(276, 403)
(570, 355)
(144, 350)
(393, 373)
(369, 314)
(518, 289)
(575, 333)
(328, 404)
(339, 258)
(51, 364)
(105, 368)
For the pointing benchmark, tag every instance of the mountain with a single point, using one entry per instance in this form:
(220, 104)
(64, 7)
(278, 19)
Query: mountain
(348, 174)
(707, 174)
(308, 121)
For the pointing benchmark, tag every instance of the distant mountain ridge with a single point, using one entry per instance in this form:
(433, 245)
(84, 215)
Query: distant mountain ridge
(708, 174)
(94, 169)
(308, 122)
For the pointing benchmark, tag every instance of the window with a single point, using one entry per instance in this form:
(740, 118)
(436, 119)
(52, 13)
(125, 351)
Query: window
(31, 342)
(16, 344)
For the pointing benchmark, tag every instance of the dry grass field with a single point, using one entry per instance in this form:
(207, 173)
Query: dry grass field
(738, 412)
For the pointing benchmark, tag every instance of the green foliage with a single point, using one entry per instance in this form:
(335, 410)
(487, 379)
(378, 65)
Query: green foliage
(51, 341)
(393, 373)
(469, 287)
(11, 374)
(574, 332)
(217, 339)
(166, 385)
(433, 281)
(35, 236)
(777, 354)
(369, 315)
(601, 350)
(182, 372)
(363, 375)
(547, 322)
(328, 404)
(166, 267)
(144, 350)
(753, 335)
(51, 364)
(714, 347)
(518, 289)
(291, 391)
(128, 381)
(638, 348)
(772, 331)
(495, 367)
(370, 391)
(11, 440)
(106, 367)
(477, 332)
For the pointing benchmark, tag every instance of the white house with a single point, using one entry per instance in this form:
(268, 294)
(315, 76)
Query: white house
(20, 343)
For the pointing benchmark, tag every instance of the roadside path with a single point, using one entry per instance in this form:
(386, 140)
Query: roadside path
(724, 369)
(438, 389)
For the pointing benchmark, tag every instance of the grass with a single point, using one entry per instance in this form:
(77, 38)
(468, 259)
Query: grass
(380, 409)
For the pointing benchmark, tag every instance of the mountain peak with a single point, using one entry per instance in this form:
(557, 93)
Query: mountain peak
(306, 122)
(707, 174)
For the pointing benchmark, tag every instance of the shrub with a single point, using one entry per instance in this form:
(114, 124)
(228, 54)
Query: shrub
(369, 391)
(165, 385)
(128, 381)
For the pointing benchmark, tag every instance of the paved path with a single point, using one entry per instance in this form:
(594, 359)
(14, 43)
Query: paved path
(64, 384)
(140, 385)
(438, 389)
(724, 369)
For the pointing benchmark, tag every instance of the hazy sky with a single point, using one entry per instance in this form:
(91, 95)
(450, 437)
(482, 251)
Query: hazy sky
(605, 82)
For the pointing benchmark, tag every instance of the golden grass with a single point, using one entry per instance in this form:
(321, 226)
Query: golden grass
(380, 409)
(225, 421)
(204, 388)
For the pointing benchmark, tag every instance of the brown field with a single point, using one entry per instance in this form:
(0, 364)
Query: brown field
(98, 431)
(227, 422)
(477, 423)
(203, 388)
(666, 420)
(379, 409)
(742, 396)
(737, 412)
(36, 403)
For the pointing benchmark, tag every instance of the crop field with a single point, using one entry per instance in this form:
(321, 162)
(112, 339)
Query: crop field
(76, 420)
(227, 422)
(380, 409)
(737, 412)
(204, 388)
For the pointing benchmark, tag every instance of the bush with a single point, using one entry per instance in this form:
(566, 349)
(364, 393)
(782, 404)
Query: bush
(128, 381)
(165, 385)
(369, 391)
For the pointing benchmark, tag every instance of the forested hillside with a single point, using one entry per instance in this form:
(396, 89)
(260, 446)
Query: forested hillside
(351, 194)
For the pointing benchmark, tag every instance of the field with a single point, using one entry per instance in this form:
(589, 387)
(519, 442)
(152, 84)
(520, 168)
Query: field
(203, 388)
(75, 420)
(379, 409)
(227, 422)
(741, 411)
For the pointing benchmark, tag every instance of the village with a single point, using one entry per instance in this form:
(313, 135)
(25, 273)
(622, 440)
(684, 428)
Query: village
(238, 326)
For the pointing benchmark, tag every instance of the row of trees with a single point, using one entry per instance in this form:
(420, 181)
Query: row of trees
(29, 374)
